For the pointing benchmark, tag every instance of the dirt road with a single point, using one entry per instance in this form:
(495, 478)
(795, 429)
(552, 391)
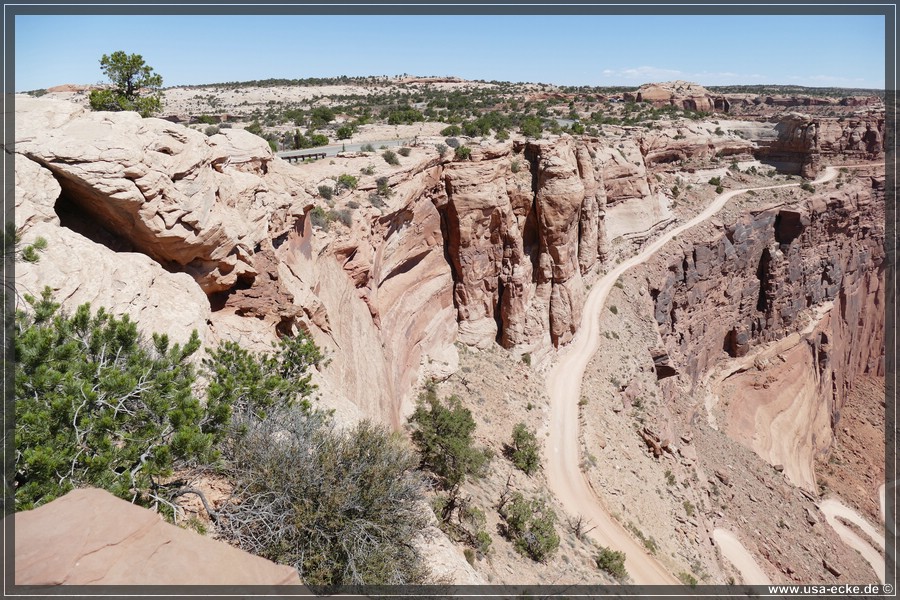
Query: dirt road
(833, 509)
(733, 550)
(564, 380)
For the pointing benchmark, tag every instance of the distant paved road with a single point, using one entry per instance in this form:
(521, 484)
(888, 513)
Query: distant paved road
(334, 149)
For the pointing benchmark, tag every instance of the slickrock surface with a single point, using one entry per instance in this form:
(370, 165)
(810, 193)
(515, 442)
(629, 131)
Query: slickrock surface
(80, 270)
(90, 537)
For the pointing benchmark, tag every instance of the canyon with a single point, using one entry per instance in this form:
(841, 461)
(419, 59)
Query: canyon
(747, 314)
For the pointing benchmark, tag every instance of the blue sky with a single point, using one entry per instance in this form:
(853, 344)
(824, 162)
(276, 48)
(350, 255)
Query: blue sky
(810, 50)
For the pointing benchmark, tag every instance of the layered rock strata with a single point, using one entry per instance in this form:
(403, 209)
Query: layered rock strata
(221, 238)
(804, 142)
(798, 289)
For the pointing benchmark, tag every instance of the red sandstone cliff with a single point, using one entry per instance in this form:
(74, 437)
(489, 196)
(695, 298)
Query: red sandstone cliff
(815, 265)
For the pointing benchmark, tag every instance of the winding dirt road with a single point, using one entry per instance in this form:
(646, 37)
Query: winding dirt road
(564, 380)
(735, 552)
(832, 509)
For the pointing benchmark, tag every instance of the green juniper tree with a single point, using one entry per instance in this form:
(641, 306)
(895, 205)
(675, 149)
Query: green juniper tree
(135, 85)
(97, 405)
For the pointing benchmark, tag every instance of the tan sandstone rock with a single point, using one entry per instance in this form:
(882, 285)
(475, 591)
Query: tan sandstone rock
(91, 537)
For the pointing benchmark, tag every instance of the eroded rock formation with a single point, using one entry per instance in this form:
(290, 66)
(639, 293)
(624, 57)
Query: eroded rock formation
(805, 282)
(766, 268)
(487, 250)
(683, 94)
(804, 142)
(186, 232)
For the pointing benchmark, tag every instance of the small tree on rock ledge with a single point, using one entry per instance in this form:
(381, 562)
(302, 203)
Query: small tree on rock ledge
(136, 86)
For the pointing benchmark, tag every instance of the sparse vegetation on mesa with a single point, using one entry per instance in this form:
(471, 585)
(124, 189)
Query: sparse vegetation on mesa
(475, 111)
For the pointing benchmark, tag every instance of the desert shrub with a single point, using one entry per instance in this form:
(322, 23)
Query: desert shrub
(687, 579)
(524, 452)
(383, 188)
(326, 192)
(353, 204)
(318, 140)
(347, 182)
(404, 151)
(376, 201)
(29, 253)
(716, 181)
(344, 132)
(472, 129)
(344, 216)
(443, 435)
(211, 130)
(531, 526)
(321, 116)
(451, 130)
(807, 186)
(462, 521)
(649, 542)
(689, 508)
(612, 561)
(675, 191)
(343, 508)
(441, 149)
(99, 405)
(531, 127)
(404, 115)
(515, 166)
(470, 556)
(390, 157)
(614, 309)
(367, 148)
(368, 170)
(719, 131)
(452, 142)
(319, 218)
(526, 358)
(463, 153)
(255, 128)
(720, 189)
(502, 135)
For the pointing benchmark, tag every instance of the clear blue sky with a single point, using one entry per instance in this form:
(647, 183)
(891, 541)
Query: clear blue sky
(811, 50)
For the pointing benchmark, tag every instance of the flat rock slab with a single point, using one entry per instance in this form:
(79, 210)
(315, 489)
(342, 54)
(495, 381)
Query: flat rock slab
(91, 537)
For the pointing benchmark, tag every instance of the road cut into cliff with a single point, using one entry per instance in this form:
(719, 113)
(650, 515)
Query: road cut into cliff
(564, 380)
